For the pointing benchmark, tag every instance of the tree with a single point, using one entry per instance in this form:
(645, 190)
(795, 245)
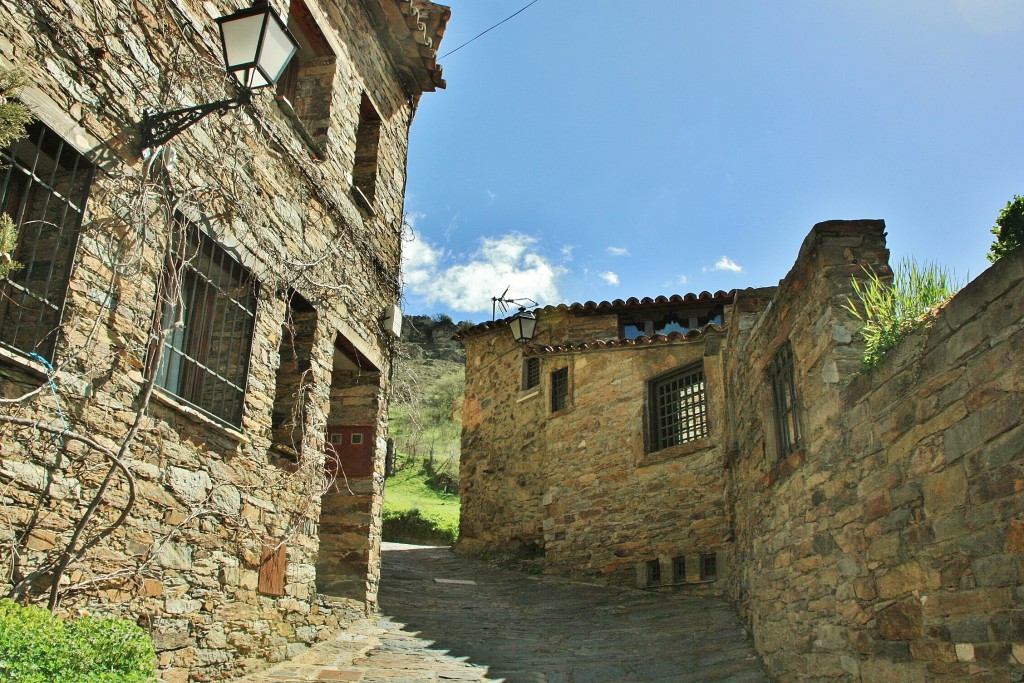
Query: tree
(13, 117)
(1009, 230)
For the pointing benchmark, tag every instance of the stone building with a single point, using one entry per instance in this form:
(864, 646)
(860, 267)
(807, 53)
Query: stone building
(868, 525)
(196, 329)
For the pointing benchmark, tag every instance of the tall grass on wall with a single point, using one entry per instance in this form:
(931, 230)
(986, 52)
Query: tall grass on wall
(892, 310)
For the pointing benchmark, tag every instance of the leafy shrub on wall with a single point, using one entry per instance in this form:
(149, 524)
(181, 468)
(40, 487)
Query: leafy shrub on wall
(38, 647)
(1009, 230)
(892, 310)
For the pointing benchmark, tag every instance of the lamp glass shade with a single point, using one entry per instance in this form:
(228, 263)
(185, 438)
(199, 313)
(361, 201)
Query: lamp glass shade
(257, 45)
(523, 325)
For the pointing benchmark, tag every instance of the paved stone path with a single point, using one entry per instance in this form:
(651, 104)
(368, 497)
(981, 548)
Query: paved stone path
(447, 618)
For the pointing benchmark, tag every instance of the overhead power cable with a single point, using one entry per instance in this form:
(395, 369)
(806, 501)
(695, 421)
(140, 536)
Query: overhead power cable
(520, 11)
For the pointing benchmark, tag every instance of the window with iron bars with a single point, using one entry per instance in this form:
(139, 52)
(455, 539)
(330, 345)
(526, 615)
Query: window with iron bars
(207, 321)
(45, 185)
(781, 378)
(678, 408)
(531, 373)
(559, 390)
(653, 572)
(708, 566)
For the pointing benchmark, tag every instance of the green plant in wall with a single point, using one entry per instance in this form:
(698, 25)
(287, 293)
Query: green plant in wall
(13, 117)
(1009, 230)
(38, 647)
(891, 310)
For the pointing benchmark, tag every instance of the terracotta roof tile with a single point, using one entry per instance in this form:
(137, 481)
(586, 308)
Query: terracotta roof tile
(599, 344)
(592, 307)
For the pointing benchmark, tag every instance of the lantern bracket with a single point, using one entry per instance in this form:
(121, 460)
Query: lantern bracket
(158, 128)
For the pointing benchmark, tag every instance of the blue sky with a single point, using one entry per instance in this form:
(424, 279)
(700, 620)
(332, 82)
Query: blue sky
(599, 150)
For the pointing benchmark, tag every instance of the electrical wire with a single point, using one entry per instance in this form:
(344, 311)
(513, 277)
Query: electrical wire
(520, 11)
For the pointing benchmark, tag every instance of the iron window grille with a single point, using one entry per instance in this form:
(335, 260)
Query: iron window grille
(653, 572)
(531, 373)
(679, 411)
(44, 190)
(559, 390)
(708, 566)
(678, 569)
(208, 326)
(781, 378)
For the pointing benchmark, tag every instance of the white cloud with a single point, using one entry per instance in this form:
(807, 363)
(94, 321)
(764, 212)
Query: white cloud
(991, 16)
(610, 277)
(508, 261)
(725, 263)
(683, 279)
(618, 251)
(567, 252)
(419, 258)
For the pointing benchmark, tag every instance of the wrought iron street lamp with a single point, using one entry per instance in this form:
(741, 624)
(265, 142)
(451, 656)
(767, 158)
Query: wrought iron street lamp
(257, 47)
(523, 325)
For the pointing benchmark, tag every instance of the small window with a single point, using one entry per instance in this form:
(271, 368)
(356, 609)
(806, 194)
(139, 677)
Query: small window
(781, 378)
(288, 420)
(708, 566)
(653, 572)
(559, 390)
(357, 439)
(337, 437)
(309, 78)
(678, 409)
(207, 322)
(364, 169)
(44, 184)
(531, 373)
(678, 569)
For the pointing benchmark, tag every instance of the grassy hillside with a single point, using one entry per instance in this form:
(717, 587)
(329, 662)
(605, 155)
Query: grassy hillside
(421, 502)
(437, 513)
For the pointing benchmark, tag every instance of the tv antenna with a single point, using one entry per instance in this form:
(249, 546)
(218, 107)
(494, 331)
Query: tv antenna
(503, 302)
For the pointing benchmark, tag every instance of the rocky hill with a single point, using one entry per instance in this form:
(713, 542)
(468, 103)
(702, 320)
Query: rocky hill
(426, 337)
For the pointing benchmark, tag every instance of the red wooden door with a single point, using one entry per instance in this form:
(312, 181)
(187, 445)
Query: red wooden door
(351, 448)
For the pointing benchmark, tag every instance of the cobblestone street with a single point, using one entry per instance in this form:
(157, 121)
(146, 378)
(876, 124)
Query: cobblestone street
(447, 618)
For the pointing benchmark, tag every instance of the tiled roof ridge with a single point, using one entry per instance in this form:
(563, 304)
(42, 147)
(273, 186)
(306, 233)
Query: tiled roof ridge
(426, 22)
(645, 301)
(617, 304)
(602, 344)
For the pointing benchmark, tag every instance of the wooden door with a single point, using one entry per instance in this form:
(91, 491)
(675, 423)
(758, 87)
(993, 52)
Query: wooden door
(350, 450)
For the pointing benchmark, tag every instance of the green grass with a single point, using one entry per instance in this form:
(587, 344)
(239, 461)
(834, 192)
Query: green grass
(406, 491)
(892, 310)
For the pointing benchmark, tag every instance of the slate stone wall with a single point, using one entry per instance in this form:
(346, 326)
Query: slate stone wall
(213, 502)
(888, 547)
(579, 483)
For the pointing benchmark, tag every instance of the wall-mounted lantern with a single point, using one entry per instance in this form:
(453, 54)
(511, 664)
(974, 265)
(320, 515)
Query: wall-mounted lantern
(257, 47)
(523, 325)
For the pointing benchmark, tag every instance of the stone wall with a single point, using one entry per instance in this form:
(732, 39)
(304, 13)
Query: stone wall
(579, 483)
(216, 505)
(888, 547)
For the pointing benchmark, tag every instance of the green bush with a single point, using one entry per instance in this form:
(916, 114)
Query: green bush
(892, 310)
(38, 647)
(1009, 230)
(412, 526)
